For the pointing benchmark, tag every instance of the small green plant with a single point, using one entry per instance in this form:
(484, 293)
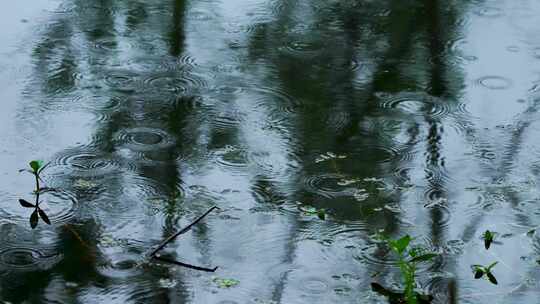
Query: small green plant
(480, 271)
(225, 282)
(488, 237)
(36, 168)
(408, 260)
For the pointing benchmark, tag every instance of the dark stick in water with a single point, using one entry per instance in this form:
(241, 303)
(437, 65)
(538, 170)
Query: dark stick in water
(186, 265)
(173, 236)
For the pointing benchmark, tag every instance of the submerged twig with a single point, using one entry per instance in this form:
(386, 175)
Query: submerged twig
(186, 265)
(175, 235)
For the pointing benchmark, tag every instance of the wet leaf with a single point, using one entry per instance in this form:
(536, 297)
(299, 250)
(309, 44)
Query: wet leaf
(26, 204)
(488, 238)
(378, 288)
(225, 283)
(492, 278)
(43, 167)
(423, 258)
(478, 274)
(321, 214)
(35, 165)
(44, 216)
(491, 266)
(308, 210)
(34, 219)
(401, 244)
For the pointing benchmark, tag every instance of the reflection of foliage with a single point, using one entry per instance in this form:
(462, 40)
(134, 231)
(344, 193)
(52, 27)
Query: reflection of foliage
(38, 213)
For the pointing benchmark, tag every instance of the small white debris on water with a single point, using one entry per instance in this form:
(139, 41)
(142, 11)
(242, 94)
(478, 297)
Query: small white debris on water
(167, 283)
(360, 195)
(84, 184)
(346, 182)
(327, 156)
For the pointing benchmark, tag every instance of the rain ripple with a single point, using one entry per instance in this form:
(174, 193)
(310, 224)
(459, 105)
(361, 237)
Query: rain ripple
(83, 162)
(232, 158)
(177, 83)
(272, 96)
(489, 12)
(142, 139)
(415, 103)
(122, 81)
(494, 82)
(328, 185)
(27, 259)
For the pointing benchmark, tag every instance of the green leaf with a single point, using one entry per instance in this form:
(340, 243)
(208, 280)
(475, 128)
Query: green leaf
(321, 214)
(226, 283)
(478, 273)
(492, 278)
(378, 288)
(307, 209)
(26, 204)
(43, 167)
(414, 252)
(488, 238)
(34, 219)
(402, 243)
(35, 165)
(423, 258)
(44, 216)
(491, 266)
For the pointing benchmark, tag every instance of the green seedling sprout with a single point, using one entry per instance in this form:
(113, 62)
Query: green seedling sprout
(36, 168)
(408, 259)
(488, 237)
(480, 271)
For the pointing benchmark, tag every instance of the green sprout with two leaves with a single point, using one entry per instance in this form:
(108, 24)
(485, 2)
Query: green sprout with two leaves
(480, 271)
(408, 260)
(36, 168)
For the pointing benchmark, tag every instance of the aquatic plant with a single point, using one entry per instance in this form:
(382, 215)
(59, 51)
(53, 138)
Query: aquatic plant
(36, 168)
(488, 237)
(408, 260)
(225, 282)
(480, 271)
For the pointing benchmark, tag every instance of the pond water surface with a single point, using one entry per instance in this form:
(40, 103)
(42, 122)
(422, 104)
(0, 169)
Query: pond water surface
(394, 117)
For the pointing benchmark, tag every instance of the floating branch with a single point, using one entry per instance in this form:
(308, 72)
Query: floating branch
(186, 265)
(172, 237)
